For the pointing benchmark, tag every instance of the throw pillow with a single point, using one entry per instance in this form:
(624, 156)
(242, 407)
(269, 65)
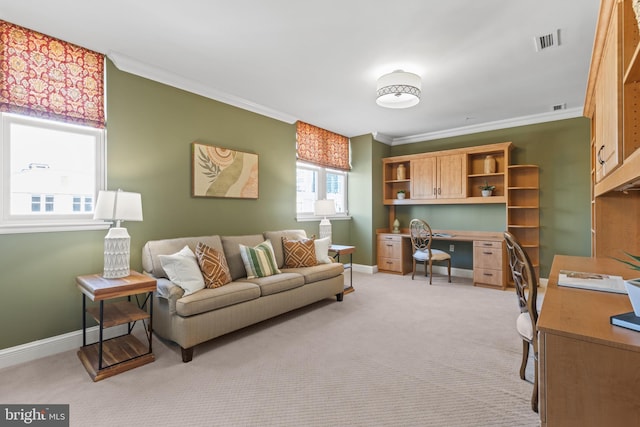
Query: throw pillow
(259, 261)
(322, 250)
(183, 270)
(299, 253)
(213, 266)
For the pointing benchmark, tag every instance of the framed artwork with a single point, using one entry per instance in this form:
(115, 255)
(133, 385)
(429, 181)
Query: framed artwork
(221, 172)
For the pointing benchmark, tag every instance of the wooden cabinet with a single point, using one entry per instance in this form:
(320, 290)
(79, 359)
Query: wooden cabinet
(608, 99)
(613, 104)
(489, 263)
(446, 177)
(523, 210)
(394, 253)
(438, 177)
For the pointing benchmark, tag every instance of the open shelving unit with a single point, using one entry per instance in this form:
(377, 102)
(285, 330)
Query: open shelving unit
(523, 209)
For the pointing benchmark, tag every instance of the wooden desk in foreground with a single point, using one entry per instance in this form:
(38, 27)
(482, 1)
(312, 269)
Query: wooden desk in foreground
(589, 369)
(490, 267)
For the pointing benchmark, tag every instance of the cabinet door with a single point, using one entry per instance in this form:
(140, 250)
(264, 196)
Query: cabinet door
(423, 178)
(451, 177)
(608, 98)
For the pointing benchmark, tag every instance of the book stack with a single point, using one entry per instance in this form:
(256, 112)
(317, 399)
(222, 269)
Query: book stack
(626, 320)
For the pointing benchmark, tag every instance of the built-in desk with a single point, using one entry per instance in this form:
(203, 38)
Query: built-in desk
(490, 266)
(589, 369)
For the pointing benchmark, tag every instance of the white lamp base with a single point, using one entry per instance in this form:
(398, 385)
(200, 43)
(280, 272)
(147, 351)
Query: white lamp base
(116, 253)
(325, 229)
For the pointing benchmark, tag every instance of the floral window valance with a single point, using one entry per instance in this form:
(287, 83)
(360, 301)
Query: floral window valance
(322, 147)
(45, 77)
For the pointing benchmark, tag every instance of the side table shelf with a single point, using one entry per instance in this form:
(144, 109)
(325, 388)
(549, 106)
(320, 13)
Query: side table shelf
(338, 250)
(106, 358)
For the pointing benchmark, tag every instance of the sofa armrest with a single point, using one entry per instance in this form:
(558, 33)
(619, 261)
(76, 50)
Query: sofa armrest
(170, 291)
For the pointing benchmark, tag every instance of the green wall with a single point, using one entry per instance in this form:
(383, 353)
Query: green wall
(561, 150)
(150, 130)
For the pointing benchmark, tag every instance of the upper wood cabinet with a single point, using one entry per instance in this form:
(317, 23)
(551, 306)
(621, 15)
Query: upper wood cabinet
(608, 102)
(446, 177)
(438, 177)
(613, 104)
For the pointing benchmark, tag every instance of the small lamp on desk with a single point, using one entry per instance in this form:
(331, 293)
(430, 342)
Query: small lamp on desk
(117, 206)
(324, 208)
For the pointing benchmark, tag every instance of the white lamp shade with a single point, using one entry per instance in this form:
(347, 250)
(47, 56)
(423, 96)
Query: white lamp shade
(325, 207)
(118, 206)
(399, 89)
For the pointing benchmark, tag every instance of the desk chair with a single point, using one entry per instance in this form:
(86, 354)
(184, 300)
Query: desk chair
(422, 252)
(526, 284)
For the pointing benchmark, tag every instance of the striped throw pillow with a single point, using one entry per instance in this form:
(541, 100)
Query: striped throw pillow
(259, 261)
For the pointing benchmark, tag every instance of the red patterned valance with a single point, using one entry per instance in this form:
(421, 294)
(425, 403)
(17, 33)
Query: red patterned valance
(45, 77)
(321, 147)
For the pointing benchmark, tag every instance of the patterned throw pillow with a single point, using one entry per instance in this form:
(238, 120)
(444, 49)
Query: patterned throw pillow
(213, 265)
(299, 253)
(259, 261)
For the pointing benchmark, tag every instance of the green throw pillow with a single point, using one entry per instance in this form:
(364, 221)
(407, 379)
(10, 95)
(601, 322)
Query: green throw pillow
(259, 261)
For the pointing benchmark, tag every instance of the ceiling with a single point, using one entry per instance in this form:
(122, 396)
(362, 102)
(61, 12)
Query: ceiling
(318, 61)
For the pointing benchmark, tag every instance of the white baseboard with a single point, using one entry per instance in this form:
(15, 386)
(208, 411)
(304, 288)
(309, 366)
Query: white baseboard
(53, 345)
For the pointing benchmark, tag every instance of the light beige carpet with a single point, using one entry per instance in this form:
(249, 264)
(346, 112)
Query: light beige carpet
(396, 352)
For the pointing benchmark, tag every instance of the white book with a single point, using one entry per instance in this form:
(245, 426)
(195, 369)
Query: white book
(592, 281)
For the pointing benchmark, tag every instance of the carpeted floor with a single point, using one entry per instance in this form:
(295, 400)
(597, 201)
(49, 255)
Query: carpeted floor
(396, 352)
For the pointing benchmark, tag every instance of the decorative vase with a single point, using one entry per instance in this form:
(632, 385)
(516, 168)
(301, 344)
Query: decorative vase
(490, 163)
(636, 10)
(400, 195)
(396, 226)
(486, 193)
(402, 173)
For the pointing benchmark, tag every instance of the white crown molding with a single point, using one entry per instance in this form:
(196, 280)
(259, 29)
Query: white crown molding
(482, 127)
(125, 63)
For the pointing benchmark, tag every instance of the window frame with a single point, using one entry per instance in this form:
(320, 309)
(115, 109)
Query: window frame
(11, 224)
(322, 191)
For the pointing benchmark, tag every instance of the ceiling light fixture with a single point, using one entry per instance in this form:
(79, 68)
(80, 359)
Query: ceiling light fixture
(398, 89)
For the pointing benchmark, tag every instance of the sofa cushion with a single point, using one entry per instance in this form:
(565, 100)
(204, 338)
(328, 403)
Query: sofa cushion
(277, 283)
(299, 253)
(215, 298)
(231, 245)
(154, 248)
(183, 270)
(318, 272)
(259, 260)
(276, 241)
(213, 265)
(322, 250)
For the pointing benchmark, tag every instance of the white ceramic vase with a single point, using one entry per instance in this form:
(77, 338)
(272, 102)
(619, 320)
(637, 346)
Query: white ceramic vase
(486, 193)
(400, 195)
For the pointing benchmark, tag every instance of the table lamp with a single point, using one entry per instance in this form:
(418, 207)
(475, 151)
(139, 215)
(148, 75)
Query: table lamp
(324, 208)
(117, 206)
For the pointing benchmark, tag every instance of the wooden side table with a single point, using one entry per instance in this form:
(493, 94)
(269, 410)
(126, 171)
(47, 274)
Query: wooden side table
(106, 358)
(345, 250)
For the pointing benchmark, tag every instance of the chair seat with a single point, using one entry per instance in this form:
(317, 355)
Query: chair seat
(436, 255)
(523, 326)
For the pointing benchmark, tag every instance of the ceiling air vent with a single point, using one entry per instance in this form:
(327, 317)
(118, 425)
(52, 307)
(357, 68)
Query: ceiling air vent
(547, 41)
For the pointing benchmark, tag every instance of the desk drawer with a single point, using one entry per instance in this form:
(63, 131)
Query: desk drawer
(487, 276)
(390, 264)
(487, 257)
(390, 247)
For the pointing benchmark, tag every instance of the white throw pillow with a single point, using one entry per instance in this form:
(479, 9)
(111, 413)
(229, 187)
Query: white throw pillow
(322, 250)
(183, 270)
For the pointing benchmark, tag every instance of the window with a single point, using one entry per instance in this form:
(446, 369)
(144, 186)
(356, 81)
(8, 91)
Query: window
(317, 183)
(49, 174)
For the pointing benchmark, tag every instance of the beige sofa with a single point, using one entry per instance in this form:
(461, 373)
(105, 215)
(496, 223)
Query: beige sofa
(209, 313)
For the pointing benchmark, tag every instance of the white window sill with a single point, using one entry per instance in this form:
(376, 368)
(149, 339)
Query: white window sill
(319, 218)
(47, 227)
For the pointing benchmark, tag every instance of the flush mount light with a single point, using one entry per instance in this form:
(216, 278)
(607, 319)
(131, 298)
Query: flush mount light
(398, 89)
